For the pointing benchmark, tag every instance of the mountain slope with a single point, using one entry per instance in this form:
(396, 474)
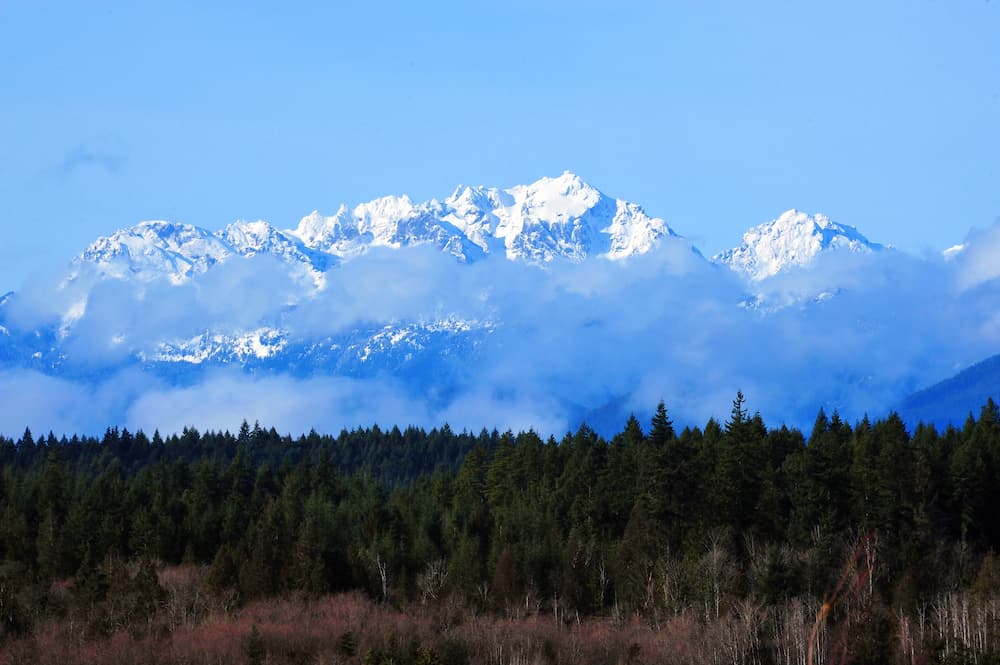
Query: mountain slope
(151, 250)
(518, 299)
(260, 238)
(952, 400)
(793, 239)
(549, 219)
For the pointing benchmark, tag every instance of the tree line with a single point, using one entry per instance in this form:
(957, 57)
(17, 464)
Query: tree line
(860, 537)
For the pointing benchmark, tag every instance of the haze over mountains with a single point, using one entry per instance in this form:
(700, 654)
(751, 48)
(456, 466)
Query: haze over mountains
(533, 306)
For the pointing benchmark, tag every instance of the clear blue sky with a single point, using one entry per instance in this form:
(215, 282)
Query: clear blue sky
(714, 115)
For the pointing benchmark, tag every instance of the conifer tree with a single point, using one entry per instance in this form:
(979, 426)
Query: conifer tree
(662, 429)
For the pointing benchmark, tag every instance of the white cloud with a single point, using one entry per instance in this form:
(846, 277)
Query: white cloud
(223, 399)
(569, 340)
(979, 260)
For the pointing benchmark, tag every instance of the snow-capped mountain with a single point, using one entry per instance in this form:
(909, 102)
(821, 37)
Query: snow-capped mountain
(176, 251)
(389, 221)
(174, 301)
(152, 250)
(793, 239)
(549, 219)
(553, 218)
(260, 238)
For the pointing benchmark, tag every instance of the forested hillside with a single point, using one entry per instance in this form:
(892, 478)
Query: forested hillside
(728, 543)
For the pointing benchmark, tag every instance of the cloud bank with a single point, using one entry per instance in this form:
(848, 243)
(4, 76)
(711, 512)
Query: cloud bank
(594, 341)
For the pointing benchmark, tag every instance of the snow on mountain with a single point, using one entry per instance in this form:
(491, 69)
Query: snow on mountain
(552, 218)
(255, 344)
(561, 218)
(632, 231)
(472, 210)
(368, 350)
(260, 238)
(151, 250)
(389, 221)
(396, 222)
(793, 239)
(549, 219)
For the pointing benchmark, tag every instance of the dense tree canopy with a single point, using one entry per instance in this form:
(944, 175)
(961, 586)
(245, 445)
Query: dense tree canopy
(649, 524)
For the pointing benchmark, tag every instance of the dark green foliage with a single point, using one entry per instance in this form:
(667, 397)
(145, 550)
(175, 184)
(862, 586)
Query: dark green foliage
(662, 430)
(645, 523)
(346, 644)
(224, 573)
(253, 647)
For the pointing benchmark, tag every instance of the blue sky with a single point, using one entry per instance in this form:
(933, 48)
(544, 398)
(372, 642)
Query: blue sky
(713, 115)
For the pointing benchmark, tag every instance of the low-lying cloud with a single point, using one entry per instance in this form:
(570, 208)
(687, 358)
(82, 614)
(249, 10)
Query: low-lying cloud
(597, 340)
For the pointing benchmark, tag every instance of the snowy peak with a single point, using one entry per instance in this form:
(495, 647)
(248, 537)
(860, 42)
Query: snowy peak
(556, 200)
(173, 236)
(549, 219)
(472, 210)
(381, 217)
(390, 221)
(335, 234)
(155, 249)
(566, 217)
(260, 238)
(393, 221)
(632, 231)
(560, 218)
(793, 239)
(252, 238)
(477, 199)
(554, 218)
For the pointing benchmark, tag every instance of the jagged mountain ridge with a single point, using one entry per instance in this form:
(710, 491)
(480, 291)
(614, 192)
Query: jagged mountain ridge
(156, 297)
(550, 219)
(560, 218)
(793, 239)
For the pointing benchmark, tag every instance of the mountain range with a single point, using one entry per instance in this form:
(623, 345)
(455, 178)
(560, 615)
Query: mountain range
(548, 228)
(552, 219)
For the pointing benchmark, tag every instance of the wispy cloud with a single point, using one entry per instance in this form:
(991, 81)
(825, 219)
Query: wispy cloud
(105, 155)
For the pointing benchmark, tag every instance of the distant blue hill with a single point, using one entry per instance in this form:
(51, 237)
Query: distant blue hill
(952, 400)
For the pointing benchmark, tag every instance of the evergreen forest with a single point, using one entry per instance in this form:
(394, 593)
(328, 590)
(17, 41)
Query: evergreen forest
(729, 543)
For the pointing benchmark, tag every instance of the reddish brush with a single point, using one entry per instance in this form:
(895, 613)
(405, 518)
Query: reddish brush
(855, 577)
